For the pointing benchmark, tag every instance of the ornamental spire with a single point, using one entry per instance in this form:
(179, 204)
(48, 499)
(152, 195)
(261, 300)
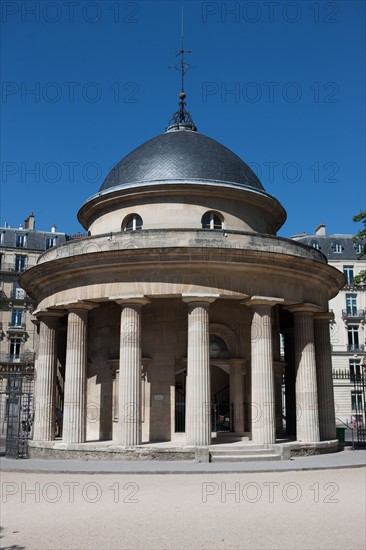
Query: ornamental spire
(182, 119)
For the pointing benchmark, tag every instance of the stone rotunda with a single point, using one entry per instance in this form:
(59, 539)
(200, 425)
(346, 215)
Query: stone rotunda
(182, 315)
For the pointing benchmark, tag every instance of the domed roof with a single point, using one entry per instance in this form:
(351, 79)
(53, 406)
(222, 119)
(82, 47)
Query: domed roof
(181, 155)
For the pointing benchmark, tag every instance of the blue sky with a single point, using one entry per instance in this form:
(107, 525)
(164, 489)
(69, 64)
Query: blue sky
(282, 84)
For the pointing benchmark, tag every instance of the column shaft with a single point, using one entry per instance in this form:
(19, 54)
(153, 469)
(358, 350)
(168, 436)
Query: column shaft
(263, 403)
(129, 418)
(290, 383)
(278, 376)
(74, 421)
(44, 414)
(198, 414)
(306, 391)
(237, 396)
(276, 340)
(323, 354)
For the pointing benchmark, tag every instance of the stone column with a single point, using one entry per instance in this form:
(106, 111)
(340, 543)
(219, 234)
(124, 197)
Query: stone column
(290, 382)
(263, 398)
(307, 419)
(278, 367)
(74, 418)
(129, 415)
(45, 389)
(278, 376)
(237, 395)
(276, 340)
(116, 395)
(323, 355)
(198, 400)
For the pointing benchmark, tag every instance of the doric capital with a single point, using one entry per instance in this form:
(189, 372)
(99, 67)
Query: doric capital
(324, 316)
(304, 308)
(199, 299)
(49, 314)
(83, 305)
(262, 301)
(137, 300)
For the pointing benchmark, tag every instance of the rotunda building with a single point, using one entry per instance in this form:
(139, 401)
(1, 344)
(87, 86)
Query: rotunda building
(182, 315)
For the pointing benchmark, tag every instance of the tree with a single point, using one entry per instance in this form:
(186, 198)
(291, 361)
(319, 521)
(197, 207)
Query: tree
(360, 279)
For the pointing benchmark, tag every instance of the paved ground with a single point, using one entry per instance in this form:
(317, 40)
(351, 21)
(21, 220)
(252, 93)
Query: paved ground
(306, 503)
(315, 509)
(345, 459)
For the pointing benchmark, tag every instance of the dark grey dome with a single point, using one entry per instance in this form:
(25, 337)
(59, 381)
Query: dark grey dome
(182, 155)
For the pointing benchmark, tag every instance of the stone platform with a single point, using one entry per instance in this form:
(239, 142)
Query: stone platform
(222, 449)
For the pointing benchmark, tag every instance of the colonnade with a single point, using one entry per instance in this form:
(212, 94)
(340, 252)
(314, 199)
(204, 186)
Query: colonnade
(313, 388)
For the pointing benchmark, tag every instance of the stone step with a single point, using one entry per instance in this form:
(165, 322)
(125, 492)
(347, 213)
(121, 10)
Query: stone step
(244, 458)
(241, 452)
(243, 448)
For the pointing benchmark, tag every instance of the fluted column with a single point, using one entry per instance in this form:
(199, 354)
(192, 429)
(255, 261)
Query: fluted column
(307, 419)
(290, 381)
(74, 418)
(237, 395)
(263, 399)
(323, 355)
(278, 376)
(129, 416)
(278, 367)
(276, 340)
(45, 388)
(198, 403)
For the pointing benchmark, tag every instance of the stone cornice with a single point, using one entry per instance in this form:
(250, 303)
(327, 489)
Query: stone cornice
(195, 260)
(207, 241)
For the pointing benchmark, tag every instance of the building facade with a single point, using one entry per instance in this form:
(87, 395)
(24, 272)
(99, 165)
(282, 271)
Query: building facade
(20, 249)
(347, 329)
(166, 321)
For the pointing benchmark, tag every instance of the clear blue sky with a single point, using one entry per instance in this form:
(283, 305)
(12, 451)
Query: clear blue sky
(102, 86)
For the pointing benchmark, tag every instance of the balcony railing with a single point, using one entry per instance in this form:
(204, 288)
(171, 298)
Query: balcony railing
(353, 313)
(347, 375)
(355, 347)
(16, 328)
(9, 358)
(341, 374)
(12, 268)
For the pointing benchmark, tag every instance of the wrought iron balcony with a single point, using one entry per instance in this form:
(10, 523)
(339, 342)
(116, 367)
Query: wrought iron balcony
(25, 358)
(12, 268)
(21, 327)
(345, 374)
(353, 313)
(355, 347)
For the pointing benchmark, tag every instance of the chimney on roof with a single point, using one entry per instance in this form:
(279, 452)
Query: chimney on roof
(320, 230)
(53, 228)
(29, 223)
